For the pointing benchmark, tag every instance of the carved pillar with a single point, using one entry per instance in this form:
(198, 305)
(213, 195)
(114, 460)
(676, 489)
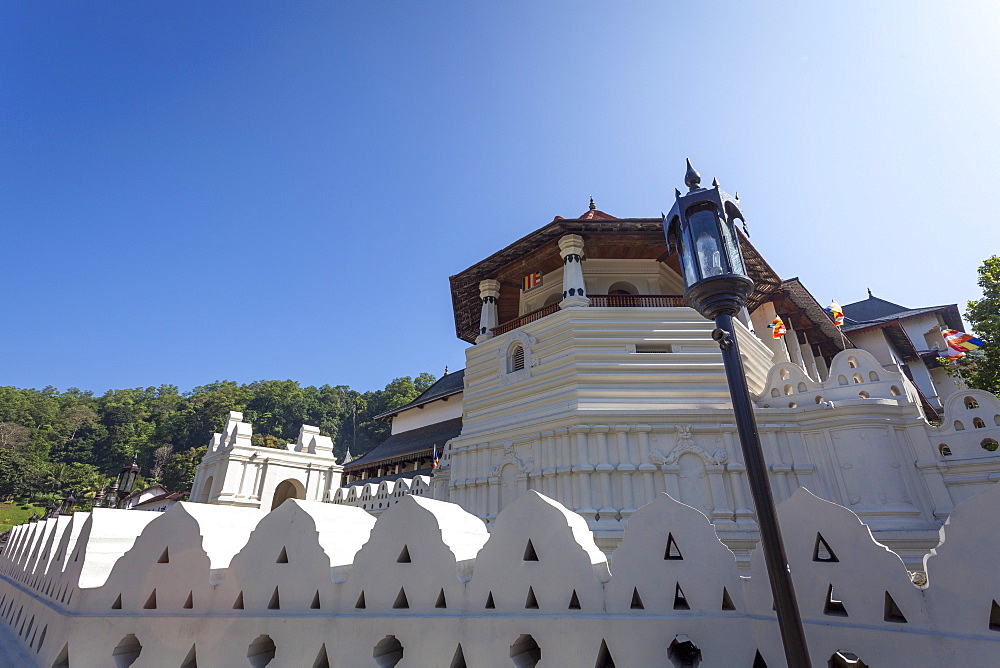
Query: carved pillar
(744, 515)
(563, 469)
(582, 472)
(784, 488)
(625, 469)
(810, 359)
(722, 515)
(670, 481)
(646, 469)
(548, 473)
(574, 289)
(494, 498)
(489, 292)
(606, 511)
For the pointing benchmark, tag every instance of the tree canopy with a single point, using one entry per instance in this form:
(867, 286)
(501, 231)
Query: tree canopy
(981, 369)
(54, 441)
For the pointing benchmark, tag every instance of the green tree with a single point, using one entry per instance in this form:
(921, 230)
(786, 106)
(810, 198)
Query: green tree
(981, 369)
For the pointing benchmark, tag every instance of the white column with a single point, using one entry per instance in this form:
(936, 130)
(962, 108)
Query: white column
(489, 291)
(810, 360)
(574, 290)
(792, 341)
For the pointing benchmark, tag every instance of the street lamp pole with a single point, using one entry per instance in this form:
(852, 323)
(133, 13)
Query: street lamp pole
(701, 227)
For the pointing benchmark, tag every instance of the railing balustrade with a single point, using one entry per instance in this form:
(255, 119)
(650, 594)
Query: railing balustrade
(597, 301)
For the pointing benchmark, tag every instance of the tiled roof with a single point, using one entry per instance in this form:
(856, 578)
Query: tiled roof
(422, 439)
(596, 214)
(871, 309)
(445, 386)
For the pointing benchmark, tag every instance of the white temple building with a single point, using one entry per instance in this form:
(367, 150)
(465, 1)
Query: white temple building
(589, 505)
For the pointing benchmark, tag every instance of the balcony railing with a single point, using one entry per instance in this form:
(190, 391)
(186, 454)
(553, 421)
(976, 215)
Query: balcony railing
(636, 301)
(537, 314)
(598, 301)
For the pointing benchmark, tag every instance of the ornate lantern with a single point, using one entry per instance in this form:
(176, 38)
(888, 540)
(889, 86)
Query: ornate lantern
(701, 226)
(67, 505)
(126, 479)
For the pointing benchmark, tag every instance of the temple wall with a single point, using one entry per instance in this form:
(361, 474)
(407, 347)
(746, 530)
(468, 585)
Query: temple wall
(313, 584)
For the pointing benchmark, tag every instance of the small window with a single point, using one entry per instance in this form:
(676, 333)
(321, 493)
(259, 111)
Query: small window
(971, 403)
(819, 399)
(895, 391)
(515, 359)
(863, 395)
(959, 426)
(622, 288)
(852, 362)
(989, 445)
(944, 450)
(978, 423)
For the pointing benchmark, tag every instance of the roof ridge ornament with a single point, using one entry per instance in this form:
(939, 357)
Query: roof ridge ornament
(593, 207)
(692, 179)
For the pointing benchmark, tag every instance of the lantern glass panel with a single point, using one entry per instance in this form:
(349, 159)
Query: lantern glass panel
(708, 251)
(687, 260)
(732, 248)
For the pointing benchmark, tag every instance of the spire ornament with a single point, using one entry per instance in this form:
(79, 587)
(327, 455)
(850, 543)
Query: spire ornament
(692, 179)
(593, 207)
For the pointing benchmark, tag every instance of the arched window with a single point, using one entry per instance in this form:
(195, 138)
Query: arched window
(515, 358)
(944, 450)
(959, 426)
(978, 423)
(971, 403)
(989, 445)
(622, 288)
(852, 362)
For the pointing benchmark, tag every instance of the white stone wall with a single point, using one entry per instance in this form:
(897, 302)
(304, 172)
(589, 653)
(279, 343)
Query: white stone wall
(314, 584)
(429, 413)
(376, 497)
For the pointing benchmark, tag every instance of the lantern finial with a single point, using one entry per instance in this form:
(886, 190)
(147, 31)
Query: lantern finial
(691, 178)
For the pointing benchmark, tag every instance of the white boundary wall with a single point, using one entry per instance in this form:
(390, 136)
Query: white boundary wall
(314, 584)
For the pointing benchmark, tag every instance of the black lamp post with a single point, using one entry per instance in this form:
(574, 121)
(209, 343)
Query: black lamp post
(67, 505)
(701, 227)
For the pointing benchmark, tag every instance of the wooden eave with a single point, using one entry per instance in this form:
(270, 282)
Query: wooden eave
(796, 304)
(624, 239)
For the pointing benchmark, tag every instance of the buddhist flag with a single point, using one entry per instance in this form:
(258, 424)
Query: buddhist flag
(836, 312)
(960, 341)
(531, 281)
(953, 355)
(777, 328)
(435, 456)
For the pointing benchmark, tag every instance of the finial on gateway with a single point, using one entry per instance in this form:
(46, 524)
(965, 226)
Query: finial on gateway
(593, 207)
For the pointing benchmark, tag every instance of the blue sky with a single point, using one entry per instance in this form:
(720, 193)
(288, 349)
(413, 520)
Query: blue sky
(195, 191)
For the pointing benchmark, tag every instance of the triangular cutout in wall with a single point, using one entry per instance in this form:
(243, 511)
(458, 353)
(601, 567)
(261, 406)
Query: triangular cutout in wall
(282, 557)
(441, 602)
(995, 617)
(822, 551)
(401, 601)
(189, 602)
(150, 603)
(191, 660)
(892, 613)
(117, 605)
(62, 660)
(531, 603)
(490, 605)
(529, 552)
(672, 553)
(238, 605)
(458, 660)
(322, 660)
(604, 659)
(636, 600)
(275, 602)
(680, 600)
(165, 557)
(404, 556)
(758, 661)
(574, 601)
(315, 602)
(360, 605)
(833, 606)
(727, 601)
